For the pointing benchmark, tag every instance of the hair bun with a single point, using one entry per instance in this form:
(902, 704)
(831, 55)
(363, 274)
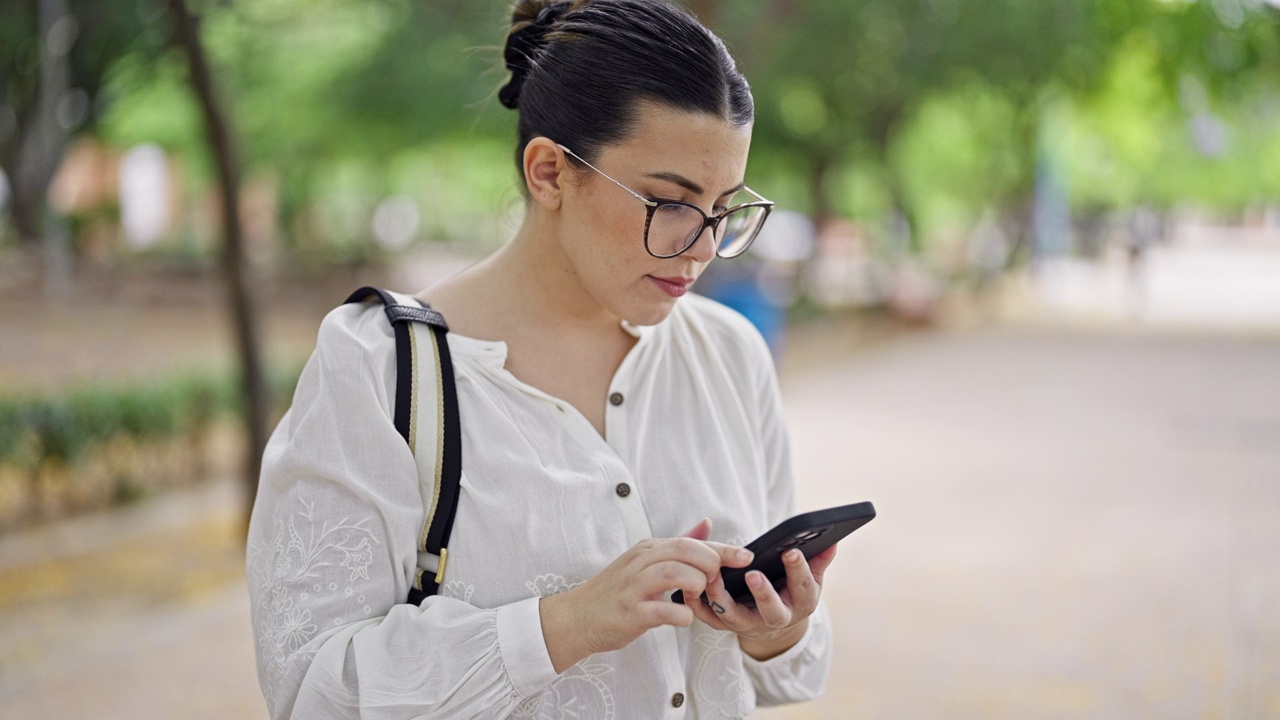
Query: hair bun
(522, 44)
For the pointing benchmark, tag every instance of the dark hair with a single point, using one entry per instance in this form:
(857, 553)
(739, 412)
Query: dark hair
(578, 70)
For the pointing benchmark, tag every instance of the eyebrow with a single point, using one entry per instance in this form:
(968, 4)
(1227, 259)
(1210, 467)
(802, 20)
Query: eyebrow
(690, 185)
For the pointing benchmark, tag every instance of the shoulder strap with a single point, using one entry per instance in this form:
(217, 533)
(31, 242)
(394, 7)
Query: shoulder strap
(426, 416)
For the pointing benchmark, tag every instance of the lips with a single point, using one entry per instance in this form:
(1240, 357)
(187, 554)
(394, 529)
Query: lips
(673, 286)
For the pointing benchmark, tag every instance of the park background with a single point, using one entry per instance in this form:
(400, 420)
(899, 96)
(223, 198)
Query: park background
(1023, 288)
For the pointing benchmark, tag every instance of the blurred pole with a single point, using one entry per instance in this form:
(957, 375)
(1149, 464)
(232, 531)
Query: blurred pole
(235, 265)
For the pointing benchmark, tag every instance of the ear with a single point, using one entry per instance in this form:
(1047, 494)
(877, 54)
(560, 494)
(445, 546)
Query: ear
(544, 171)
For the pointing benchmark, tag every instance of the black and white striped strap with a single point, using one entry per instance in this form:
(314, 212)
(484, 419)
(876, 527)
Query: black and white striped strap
(426, 416)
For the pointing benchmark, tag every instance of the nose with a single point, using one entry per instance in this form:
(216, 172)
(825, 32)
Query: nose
(703, 248)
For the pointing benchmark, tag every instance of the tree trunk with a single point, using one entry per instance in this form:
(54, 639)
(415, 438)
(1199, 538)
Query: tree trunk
(819, 187)
(41, 144)
(235, 265)
(26, 210)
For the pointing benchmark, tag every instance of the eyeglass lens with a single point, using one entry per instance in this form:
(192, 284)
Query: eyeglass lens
(675, 227)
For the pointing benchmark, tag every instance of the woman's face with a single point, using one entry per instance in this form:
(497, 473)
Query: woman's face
(694, 158)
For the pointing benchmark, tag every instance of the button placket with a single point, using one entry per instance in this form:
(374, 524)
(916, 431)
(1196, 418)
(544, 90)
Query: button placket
(626, 500)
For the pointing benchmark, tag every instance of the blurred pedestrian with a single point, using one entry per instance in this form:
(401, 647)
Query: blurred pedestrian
(1144, 230)
(612, 426)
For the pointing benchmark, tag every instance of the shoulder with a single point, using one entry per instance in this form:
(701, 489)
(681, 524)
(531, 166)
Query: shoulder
(356, 333)
(358, 324)
(353, 363)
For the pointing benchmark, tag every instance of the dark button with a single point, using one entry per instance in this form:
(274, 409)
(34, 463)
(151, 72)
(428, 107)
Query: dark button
(623, 489)
(616, 399)
(677, 700)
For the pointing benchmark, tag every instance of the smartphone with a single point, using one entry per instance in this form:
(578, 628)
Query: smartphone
(811, 532)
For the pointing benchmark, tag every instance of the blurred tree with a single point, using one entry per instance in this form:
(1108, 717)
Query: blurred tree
(329, 88)
(856, 71)
(1189, 109)
(379, 79)
(54, 59)
(236, 267)
(35, 79)
(420, 85)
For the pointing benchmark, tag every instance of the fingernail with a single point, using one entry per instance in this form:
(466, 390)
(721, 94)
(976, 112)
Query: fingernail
(755, 579)
(793, 556)
(744, 555)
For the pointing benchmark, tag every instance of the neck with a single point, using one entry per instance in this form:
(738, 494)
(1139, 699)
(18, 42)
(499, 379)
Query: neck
(535, 285)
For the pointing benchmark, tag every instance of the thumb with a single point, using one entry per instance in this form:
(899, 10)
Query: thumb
(701, 531)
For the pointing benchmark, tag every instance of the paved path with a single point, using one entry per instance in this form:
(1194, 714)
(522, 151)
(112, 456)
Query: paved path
(1072, 525)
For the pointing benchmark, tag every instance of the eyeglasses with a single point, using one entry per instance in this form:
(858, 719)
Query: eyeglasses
(672, 227)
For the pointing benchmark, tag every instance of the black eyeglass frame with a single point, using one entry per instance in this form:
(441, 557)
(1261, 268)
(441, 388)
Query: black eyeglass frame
(708, 221)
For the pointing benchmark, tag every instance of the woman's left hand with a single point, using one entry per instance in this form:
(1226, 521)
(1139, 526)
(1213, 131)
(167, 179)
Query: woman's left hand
(779, 618)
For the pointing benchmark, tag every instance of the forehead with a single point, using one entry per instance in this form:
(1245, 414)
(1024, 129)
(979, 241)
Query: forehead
(704, 148)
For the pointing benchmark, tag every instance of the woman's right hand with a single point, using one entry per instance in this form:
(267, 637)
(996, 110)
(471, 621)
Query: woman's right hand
(628, 597)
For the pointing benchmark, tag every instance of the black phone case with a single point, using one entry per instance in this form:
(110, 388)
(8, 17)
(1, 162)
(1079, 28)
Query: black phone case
(812, 532)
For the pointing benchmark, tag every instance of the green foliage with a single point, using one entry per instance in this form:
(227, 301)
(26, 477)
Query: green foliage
(958, 154)
(13, 431)
(151, 103)
(1138, 140)
(61, 428)
(942, 103)
(927, 108)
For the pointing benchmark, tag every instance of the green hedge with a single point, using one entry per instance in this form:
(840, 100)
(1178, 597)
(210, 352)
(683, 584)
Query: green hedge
(36, 429)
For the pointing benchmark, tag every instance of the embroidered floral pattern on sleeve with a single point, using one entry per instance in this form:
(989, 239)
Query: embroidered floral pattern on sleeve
(306, 557)
(579, 693)
(457, 590)
(549, 584)
(721, 691)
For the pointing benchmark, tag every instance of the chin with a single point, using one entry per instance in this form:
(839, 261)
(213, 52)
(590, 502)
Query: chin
(650, 313)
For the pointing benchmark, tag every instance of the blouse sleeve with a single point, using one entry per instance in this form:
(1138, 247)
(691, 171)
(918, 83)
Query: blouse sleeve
(333, 546)
(800, 673)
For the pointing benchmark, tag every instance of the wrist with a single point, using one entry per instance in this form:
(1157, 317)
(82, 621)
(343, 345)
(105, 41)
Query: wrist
(566, 642)
(767, 648)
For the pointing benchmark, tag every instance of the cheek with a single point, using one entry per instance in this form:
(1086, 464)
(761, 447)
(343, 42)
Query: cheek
(614, 239)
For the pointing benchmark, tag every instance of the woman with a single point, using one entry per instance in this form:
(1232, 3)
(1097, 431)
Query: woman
(610, 426)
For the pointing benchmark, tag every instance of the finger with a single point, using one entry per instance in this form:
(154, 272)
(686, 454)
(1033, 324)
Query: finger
(819, 563)
(802, 589)
(667, 575)
(720, 602)
(701, 531)
(653, 613)
(773, 611)
(696, 553)
(707, 615)
(732, 555)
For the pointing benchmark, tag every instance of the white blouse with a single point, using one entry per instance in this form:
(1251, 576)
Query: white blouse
(694, 429)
